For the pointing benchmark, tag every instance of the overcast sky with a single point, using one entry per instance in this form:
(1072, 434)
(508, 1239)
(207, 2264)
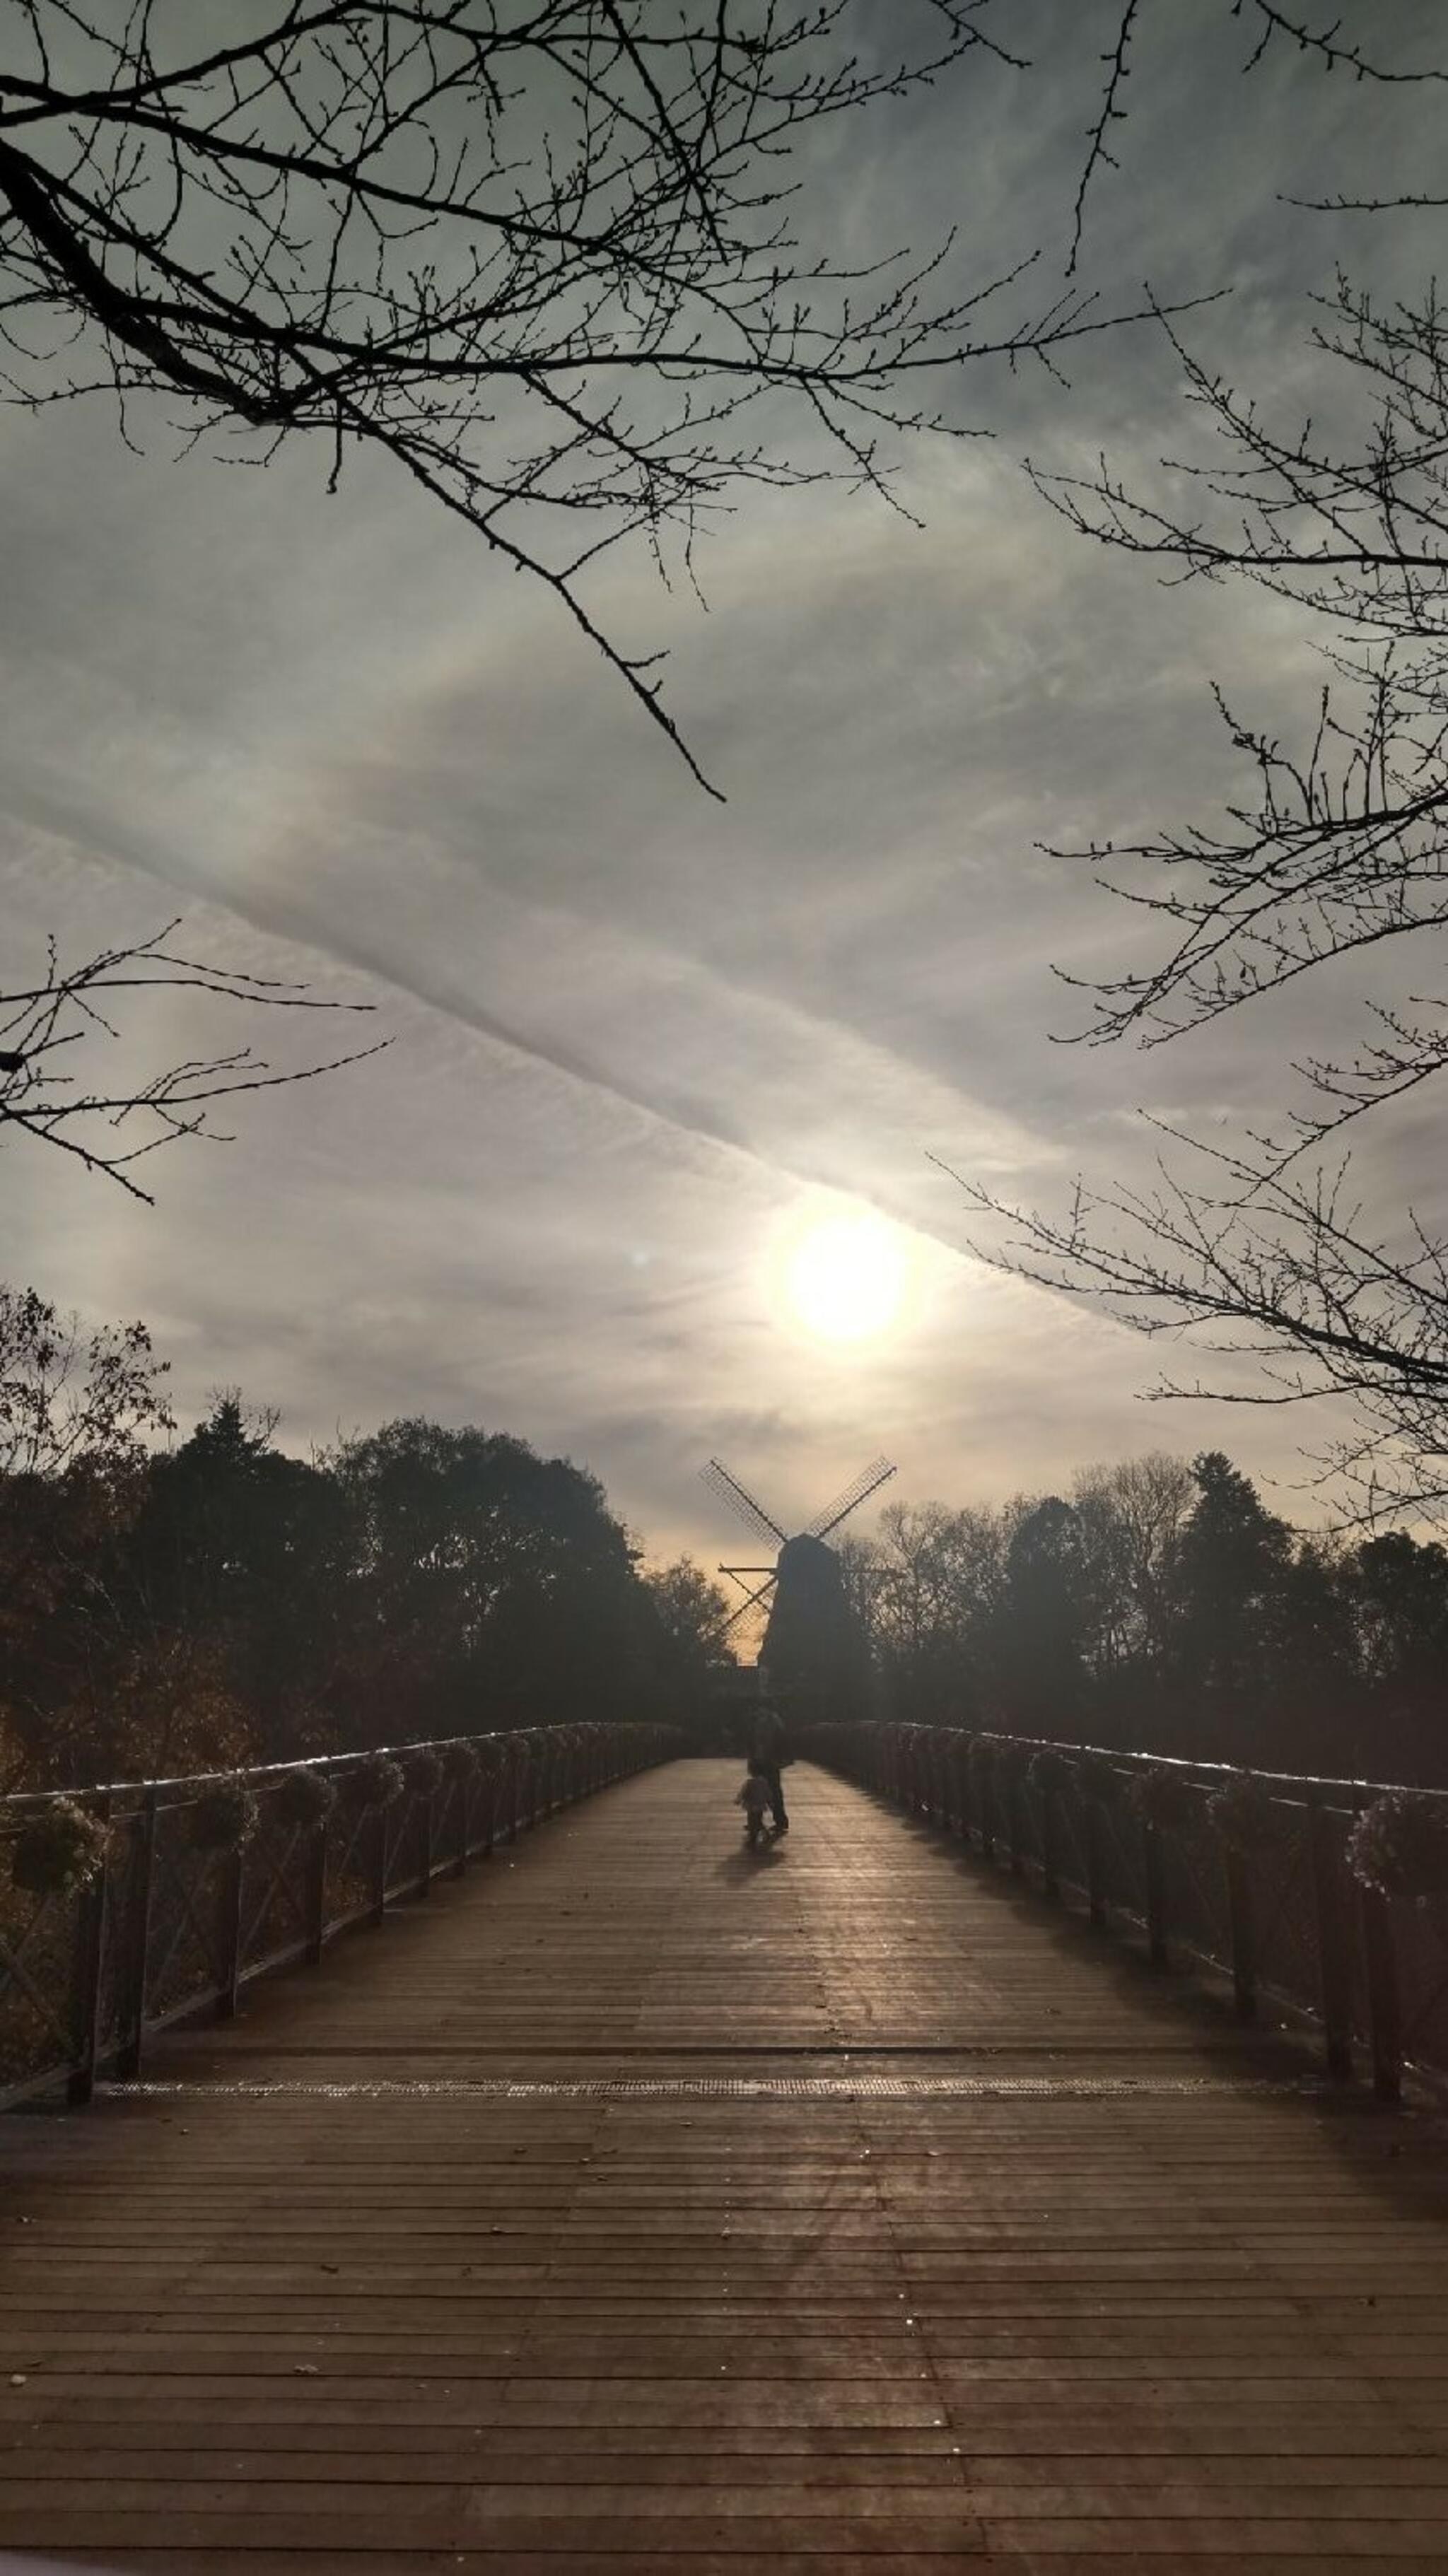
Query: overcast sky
(644, 1042)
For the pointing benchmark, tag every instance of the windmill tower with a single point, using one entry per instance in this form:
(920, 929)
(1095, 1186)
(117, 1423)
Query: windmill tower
(813, 1650)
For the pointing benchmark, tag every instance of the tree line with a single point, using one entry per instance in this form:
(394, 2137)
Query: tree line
(178, 1604)
(217, 1601)
(1163, 1608)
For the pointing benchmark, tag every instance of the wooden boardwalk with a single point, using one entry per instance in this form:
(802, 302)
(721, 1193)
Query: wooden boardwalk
(1011, 2258)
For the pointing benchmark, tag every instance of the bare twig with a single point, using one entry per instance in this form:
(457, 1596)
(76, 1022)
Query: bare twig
(40, 1098)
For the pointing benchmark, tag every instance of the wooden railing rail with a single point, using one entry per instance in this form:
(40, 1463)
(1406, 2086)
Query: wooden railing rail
(171, 1896)
(1257, 1876)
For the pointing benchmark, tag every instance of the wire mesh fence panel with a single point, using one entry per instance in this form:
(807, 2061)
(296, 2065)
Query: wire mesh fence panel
(37, 1951)
(937, 1778)
(1420, 1945)
(405, 1842)
(127, 1904)
(1284, 1914)
(273, 1888)
(350, 1860)
(449, 1817)
(530, 1768)
(1123, 1863)
(1199, 1914)
(1073, 1841)
(989, 1809)
(184, 1966)
(1346, 1903)
(1032, 1817)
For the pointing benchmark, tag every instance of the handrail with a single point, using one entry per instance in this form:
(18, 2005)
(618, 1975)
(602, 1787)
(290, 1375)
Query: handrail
(201, 1883)
(1152, 1847)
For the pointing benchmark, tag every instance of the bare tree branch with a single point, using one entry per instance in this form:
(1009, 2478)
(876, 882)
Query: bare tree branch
(1112, 113)
(40, 1097)
(555, 258)
(1257, 1251)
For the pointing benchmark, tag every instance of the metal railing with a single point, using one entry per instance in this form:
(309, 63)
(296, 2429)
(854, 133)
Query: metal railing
(1143, 1846)
(171, 1922)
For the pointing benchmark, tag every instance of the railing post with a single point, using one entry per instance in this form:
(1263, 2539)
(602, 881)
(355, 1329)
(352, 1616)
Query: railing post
(1013, 1821)
(90, 1945)
(424, 1872)
(1155, 1894)
(1050, 1858)
(1095, 1858)
(132, 2004)
(1384, 2001)
(1241, 1910)
(228, 1931)
(380, 1840)
(1334, 1970)
(968, 1800)
(314, 1867)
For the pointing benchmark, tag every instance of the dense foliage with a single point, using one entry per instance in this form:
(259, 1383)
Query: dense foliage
(1163, 1608)
(222, 1602)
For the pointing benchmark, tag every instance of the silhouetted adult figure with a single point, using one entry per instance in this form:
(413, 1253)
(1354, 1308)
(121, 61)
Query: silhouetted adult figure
(766, 1756)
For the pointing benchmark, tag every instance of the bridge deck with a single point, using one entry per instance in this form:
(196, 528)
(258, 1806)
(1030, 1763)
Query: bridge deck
(1052, 2270)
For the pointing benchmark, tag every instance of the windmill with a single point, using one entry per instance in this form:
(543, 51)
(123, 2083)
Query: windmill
(811, 1640)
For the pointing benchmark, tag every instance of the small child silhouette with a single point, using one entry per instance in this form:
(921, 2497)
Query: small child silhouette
(754, 1798)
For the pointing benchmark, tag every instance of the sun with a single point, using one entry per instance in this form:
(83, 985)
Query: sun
(846, 1279)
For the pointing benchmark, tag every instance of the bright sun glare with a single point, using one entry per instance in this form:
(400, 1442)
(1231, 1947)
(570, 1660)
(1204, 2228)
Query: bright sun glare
(847, 1278)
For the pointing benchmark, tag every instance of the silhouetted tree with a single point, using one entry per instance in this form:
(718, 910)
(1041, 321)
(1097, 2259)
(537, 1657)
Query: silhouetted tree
(1129, 1517)
(76, 1411)
(1047, 1621)
(252, 1551)
(1228, 1577)
(686, 1615)
(491, 1585)
(928, 1593)
(1398, 1588)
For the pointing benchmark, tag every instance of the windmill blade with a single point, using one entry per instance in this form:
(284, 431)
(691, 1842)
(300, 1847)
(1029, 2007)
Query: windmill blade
(868, 1482)
(753, 1603)
(727, 1488)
